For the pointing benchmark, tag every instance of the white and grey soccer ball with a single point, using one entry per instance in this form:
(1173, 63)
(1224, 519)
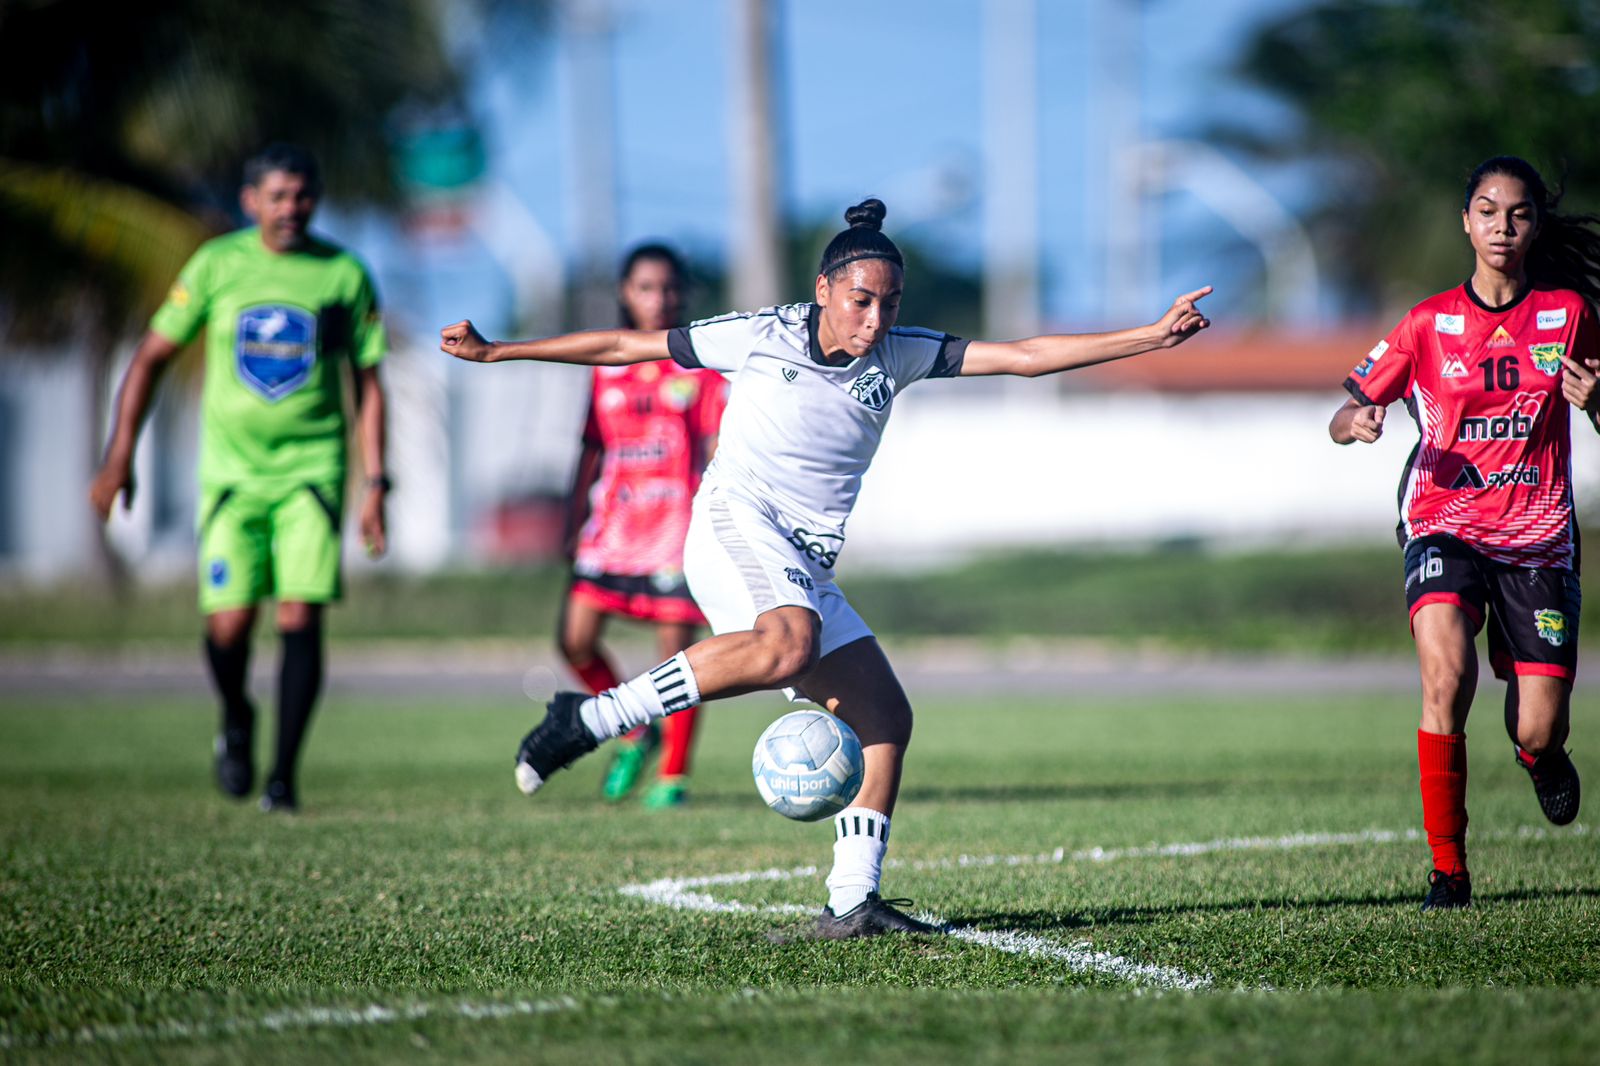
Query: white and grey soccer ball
(807, 765)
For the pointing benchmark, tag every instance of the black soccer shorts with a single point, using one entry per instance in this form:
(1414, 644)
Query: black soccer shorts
(1532, 612)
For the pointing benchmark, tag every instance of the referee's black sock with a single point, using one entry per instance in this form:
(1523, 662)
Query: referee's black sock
(299, 683)
(230, 667)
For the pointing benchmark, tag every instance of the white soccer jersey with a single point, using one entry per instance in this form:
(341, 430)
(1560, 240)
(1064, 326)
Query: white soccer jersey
(800, 430)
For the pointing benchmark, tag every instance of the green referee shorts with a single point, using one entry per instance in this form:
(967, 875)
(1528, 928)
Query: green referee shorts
(281, 543)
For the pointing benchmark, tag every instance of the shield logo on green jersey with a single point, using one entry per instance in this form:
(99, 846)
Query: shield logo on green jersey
(1547, 357)
(275, 348)
(1552, 626)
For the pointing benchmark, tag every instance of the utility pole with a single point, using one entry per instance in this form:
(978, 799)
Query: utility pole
(755, 245)
(1010, 170)
(1127, 278)
(593, 173)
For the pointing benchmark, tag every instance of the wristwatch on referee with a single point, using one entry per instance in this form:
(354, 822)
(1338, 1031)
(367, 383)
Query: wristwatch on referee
(381, 482)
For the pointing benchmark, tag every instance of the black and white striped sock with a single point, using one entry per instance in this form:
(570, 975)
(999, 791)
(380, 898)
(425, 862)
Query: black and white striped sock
(656, 693)
(861, 836)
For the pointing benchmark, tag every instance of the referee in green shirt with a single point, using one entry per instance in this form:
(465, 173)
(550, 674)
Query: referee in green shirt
(284, 312)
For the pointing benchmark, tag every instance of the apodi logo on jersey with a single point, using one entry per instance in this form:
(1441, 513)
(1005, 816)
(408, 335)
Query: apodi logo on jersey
(275, 348)
(1472, 478)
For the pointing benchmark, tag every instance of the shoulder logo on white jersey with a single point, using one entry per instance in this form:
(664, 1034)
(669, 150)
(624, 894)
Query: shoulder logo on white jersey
(1453, 368)
(1450, 324)
(1552, 319)
(873, 389)
(790, 373)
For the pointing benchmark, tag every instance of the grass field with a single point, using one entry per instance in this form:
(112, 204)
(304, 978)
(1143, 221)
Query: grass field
(420, 909)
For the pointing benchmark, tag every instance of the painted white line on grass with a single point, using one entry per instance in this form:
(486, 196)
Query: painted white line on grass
(1081, 958)
(292, 1020)
(680, 892)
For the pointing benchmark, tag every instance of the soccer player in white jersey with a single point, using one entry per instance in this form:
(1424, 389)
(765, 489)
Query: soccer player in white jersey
(813, 385)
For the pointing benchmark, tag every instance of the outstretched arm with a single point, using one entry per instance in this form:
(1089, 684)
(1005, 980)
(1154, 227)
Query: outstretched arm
(1356, 421)
(594, 347)
(1051, 354)
(133, 401)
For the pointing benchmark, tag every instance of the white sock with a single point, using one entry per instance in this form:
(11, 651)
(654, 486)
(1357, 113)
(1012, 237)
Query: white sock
(861, 836)
(654, 694)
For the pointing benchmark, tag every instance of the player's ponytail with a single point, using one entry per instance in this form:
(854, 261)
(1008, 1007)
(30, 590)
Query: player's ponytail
(1566, 253)
(863, 240)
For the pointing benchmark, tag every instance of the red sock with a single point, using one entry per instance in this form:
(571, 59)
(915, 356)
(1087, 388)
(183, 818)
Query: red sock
(597, 674)
(677, 733)
(1442, 759)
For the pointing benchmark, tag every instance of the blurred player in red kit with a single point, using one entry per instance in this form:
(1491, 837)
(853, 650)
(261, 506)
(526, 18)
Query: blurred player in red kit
(650, 432)
(1489, 370)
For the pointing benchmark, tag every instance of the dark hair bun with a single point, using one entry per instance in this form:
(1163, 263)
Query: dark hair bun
(868, 214)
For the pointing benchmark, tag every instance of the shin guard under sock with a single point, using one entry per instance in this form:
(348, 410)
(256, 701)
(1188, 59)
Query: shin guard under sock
(230, 669)
(677, 734)
(299, 684)
(1442, 761)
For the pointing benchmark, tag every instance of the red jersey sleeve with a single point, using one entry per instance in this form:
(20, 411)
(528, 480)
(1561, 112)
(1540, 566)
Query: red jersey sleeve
(591, 426)
(1586, 338)
(709, 405)
(1387, 372)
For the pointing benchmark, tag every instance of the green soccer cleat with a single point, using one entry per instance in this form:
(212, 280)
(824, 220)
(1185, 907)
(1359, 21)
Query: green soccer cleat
(627, 764)
(665, 795)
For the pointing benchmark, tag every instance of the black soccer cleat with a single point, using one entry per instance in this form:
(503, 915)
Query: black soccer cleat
(279, 798)
(557, 742)
(1555, 782)
(874, 916)
(234, 766)
(1448, 892)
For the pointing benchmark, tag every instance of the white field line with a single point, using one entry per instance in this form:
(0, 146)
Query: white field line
(675, 892)
(679, 892)
(291, 1020)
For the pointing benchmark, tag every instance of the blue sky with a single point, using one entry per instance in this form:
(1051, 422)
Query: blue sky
(879, 98)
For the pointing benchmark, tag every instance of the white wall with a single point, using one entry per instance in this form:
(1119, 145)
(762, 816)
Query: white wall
(963, 467)
(1039, 468)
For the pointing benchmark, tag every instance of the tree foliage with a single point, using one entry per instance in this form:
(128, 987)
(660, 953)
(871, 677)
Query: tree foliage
(123, 128)
(1400, 99)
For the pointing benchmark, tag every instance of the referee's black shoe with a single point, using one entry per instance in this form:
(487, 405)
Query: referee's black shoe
(1555, 782)
(234, 764)
(558, 741)
(1448, 892)
(874, 916)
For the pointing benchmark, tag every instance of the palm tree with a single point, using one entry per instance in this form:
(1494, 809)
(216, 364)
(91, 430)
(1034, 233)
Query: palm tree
(123, 128)
(1399, 99)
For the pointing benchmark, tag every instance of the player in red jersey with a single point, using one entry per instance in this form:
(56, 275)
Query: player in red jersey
(651, 430)
(1487, 370)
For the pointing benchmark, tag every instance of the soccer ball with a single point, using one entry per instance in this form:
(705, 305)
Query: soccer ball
(807, 765)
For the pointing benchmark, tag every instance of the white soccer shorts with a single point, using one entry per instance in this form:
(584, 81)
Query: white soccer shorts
(740, 564)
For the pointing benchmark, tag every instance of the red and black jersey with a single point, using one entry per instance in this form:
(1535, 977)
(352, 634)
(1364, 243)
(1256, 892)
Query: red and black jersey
(652, 420)
(1493, 465)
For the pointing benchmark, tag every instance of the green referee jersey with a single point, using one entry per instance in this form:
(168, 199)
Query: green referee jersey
(279, 326)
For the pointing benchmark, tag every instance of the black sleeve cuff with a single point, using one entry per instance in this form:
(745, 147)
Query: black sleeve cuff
(1354, 388)
(951, 354)
(682, 349)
